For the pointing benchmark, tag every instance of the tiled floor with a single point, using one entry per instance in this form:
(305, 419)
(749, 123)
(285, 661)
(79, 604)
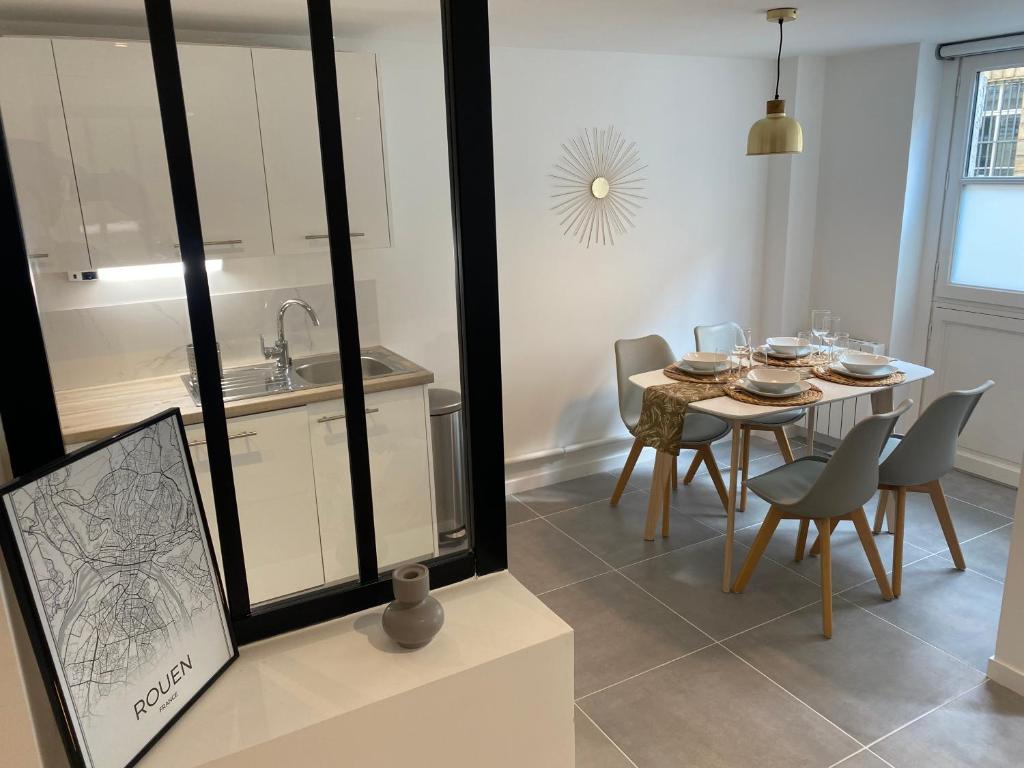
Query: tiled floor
(670, 671)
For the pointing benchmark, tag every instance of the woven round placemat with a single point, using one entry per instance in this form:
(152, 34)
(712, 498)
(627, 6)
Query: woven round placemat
(678, 374)
(811, 360)
(807, 397)
(826, 373)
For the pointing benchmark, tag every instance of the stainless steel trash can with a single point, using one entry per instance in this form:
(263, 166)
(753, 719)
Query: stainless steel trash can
(449, 465)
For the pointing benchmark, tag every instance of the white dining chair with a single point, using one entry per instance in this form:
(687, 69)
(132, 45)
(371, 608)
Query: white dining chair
(723, 337)
(700, 430)
(826, 491)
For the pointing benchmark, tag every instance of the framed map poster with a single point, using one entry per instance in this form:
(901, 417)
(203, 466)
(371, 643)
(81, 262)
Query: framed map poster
(111, 560)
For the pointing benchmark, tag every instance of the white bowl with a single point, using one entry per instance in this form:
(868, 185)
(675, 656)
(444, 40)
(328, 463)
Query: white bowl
(864, 362)
(788, 345)
(706, 361)
(774, 379)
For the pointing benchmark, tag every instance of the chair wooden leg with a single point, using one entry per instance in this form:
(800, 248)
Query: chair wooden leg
(825, 537)
(627, 470)
(816, 547)
(664, 503)
(860, 522)
(942, 512)
(716, 476)
(883, 500)
(675, 472)
(783, 440)
(744, 471)
(801, 539)
(691, 473)
(897, 542)
(771, 522)
(655, 502)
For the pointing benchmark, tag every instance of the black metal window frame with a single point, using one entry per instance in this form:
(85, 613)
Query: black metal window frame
(31, 422)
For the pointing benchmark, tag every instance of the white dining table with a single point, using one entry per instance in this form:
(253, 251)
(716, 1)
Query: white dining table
(736, 412)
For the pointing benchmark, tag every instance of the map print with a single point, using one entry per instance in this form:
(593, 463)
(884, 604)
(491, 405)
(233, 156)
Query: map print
(117, 550)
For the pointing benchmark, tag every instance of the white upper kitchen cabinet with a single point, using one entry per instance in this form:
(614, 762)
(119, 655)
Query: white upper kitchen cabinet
(37, 142)
(291, 147)
(117, 142)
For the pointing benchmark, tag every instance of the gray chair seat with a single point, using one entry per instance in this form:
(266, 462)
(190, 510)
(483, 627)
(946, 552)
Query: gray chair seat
(703, 428)
(788, 484)
(779, 419)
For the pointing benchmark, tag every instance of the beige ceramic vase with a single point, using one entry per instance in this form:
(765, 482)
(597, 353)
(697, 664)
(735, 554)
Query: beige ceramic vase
(414, 617)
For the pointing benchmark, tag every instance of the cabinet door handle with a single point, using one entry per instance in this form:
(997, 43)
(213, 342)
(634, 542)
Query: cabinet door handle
(335, 417)
(324, 237)
(235, 436)
(216, 242)
(39, 255)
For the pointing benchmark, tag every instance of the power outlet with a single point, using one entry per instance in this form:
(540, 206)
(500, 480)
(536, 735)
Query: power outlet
(82, 277)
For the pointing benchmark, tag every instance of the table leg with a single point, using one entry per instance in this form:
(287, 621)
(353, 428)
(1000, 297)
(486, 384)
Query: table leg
(811, 411)
(659, 492)
(881, 401)
(730, 511)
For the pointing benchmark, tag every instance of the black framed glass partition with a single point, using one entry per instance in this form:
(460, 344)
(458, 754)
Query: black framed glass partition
(272, 223)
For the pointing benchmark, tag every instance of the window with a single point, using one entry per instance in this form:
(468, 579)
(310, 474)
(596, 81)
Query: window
(988, 246)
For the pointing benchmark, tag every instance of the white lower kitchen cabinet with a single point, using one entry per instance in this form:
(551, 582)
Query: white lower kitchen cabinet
(397, 424)
(277, 504)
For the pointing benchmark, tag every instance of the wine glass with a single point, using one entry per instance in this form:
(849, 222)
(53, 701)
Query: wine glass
(819, 321)
(744, 348)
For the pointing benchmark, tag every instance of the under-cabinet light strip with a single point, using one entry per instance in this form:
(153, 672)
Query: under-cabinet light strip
(151, 271)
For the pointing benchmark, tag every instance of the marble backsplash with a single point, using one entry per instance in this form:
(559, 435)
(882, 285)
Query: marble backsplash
(122, 342)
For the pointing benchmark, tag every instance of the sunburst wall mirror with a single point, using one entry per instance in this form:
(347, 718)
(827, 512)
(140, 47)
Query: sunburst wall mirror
(598, 186)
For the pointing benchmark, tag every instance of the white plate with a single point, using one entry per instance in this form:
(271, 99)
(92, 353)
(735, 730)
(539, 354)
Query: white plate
(765, 349)
(797, 389)
(842, 370)
(684, 366)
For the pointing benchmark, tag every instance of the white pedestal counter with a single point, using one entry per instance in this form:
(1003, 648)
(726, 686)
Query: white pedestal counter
(494, 688)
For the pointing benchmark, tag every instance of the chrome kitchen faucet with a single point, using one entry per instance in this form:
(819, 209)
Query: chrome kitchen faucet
(280, 348)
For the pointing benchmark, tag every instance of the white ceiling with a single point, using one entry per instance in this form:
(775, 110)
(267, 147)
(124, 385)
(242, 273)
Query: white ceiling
(704, 27)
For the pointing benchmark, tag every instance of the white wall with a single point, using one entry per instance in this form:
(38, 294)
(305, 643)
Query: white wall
(1007, 665)
(867, 121)
(693, 258)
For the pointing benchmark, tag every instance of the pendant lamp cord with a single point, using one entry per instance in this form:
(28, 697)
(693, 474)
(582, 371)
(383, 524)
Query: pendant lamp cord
(778, 62)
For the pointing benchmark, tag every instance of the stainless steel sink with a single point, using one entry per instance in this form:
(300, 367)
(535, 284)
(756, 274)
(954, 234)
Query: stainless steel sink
(318, 371)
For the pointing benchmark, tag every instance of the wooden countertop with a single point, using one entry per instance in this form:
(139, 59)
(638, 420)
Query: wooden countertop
(92, 413)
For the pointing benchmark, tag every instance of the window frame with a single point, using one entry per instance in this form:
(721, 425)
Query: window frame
(36, 440)
(965, 113)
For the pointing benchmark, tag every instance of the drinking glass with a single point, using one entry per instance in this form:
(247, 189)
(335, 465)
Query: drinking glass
(744, 349)
(819, 321)
(841, 344)
(722, 372)
(804, 338)
(831, 331)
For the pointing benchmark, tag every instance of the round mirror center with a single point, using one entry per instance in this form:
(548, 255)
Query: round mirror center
(599, 187)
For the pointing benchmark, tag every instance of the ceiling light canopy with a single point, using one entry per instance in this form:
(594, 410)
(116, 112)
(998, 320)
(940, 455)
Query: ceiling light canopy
(776, 134)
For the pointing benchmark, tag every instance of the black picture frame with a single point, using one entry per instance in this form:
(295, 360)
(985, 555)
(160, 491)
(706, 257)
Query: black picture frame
(37, 627)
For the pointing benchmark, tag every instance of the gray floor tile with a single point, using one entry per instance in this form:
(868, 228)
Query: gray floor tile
(713, 711)
(849, 563)
(593, 748)
(922, 526)
(981, 492)
(516, 511)
(568, 494)
(867, 678)
(701, 501)
(616, 534)
(543, 558)
(619, 630)
(988, 553)
(690, 582)
(984, 727)
(863, 759)
(760, 449)
(953, 610)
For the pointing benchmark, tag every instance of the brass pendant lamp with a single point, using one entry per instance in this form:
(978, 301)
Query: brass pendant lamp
(776, 134)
